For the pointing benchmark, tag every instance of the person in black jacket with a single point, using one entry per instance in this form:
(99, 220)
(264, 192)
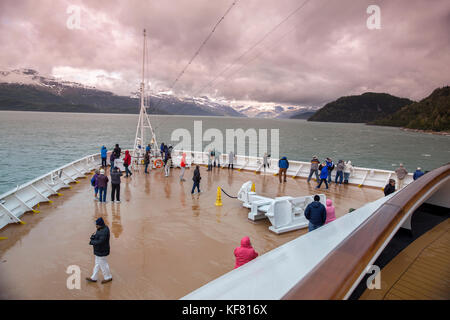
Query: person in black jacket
(100, 242)
(196, 178)
(390, 187)
(115, 184)
(316, 213)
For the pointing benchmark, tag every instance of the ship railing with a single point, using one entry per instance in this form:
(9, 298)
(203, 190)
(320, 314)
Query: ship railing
(300, 169)
(329, 262)
(23, 198)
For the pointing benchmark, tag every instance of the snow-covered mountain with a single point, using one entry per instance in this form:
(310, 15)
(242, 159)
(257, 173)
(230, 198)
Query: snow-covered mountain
(270, 110)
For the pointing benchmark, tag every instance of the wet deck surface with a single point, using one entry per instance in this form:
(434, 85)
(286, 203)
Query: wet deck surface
(419, 272)
(165, 242)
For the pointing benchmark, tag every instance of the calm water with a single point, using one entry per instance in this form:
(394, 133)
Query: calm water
(33, 143)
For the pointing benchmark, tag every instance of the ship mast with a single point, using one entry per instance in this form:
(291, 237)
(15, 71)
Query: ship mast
(144, 121)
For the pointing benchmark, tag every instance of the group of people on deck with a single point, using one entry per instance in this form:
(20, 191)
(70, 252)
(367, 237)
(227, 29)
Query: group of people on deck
(316, 212)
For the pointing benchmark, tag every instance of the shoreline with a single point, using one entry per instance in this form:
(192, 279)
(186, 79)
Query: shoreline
(439, 133)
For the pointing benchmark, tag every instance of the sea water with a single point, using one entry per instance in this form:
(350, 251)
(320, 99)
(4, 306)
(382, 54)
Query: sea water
(34, 143)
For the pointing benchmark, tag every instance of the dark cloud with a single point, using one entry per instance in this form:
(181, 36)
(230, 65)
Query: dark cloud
(325, 50)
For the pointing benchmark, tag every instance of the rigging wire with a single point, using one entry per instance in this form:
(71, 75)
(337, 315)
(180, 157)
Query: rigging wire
(198, 50)
(252, 47)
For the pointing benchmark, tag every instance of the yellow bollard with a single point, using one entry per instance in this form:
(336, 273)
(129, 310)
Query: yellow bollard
(77, 181)
(3, 238)
(219, 197)
(360, 185)
(50, 201)
(22, 222)
(59, 194)
(36, 211)
(253, 189)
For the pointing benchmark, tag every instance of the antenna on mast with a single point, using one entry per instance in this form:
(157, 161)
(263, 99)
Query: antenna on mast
(143, 121)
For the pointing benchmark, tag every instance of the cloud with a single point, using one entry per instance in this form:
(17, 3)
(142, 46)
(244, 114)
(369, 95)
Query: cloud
(321, 53)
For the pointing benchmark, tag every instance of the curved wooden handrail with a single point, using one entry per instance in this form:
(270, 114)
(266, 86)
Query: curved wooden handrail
(335, 276)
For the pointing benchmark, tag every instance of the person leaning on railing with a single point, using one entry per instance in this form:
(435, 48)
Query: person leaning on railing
(390, 187)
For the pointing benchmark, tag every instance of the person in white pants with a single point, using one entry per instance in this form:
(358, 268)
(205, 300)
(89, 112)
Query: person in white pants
(100, 242)
(167, 166)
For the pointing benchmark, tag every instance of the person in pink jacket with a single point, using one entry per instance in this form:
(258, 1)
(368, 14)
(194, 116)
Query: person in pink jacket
(331, 215)
(244, 253)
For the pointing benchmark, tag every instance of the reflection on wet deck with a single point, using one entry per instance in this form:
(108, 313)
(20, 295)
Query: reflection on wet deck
(165, 242)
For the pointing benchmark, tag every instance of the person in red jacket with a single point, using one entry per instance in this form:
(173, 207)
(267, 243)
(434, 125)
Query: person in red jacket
(126, 163)
(244, 253)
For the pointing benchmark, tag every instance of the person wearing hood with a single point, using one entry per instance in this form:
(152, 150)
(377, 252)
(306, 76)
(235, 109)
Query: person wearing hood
(323, 175)
(104, 155)
(126, 163)
(331, 211)
(339, 172)
(196, 178)
(94, 183)
(102, 184)
(100, 242)
(245, 253)
(418, 173)
(283, 164)
(330, 165)
(316, 213)
(314, 169)
(183, 166)
(115, 184)
(348, 170)
(112, 158)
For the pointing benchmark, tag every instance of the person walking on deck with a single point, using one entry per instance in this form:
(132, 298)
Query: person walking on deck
(245, 253)
(231, 157)
(283, 164)
(104, 155)
(401, 175)
(331, 211)
(316, 213)
(314, 168)
(330, 165)
(126, 163)
(115, 184)
(147, 160)
(339, 172)
(183, 166)
(148, 148)
(348, 170)
(94, 183)
(100, 242)
(168, 165)
(196, 178)
(102, 183)
(418, 173)
(323, 175)
(390, 187)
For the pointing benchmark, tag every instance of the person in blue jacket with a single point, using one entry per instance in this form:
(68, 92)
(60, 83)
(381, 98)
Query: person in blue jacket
(283, 164)
(418, 173)
(316, 213)
(323, 175)
(162, 150)
(104, 153)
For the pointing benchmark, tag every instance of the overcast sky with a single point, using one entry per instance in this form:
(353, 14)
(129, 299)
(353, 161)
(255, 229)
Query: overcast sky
(322, 52)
